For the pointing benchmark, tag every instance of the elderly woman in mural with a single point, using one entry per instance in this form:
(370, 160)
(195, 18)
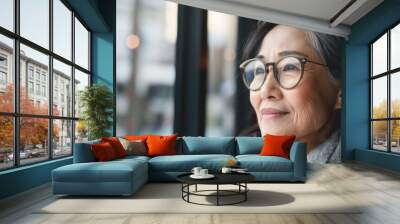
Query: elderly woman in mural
(294, 80)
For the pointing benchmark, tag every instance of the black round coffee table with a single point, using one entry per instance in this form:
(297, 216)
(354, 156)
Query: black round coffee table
(238, 179)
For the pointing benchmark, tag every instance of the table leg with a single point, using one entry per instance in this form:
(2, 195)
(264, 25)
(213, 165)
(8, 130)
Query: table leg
(217, 194)
(245, 193)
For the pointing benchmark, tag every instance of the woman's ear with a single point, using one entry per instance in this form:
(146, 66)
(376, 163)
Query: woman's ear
(338, 104)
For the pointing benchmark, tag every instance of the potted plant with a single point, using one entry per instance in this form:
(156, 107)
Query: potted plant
(96, 102)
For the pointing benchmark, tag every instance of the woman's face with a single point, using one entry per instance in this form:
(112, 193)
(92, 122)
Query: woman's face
(304, 110)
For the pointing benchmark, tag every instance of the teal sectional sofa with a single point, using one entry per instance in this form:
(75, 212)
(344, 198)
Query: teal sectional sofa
(125, 176)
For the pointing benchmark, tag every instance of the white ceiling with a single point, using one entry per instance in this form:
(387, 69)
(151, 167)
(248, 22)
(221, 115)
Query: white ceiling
(319, 9)
(314, 15)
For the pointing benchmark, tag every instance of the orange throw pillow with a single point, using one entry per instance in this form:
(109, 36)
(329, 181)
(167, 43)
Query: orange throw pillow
(103, 152)
(161, 145)
(116, 145)
(277, 146)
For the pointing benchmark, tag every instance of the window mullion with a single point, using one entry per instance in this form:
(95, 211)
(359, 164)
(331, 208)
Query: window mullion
(73, 82)
(16, 84)
(389, 94)
(50, 81)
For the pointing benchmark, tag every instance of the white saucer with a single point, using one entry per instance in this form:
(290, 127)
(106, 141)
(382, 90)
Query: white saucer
(208, 176)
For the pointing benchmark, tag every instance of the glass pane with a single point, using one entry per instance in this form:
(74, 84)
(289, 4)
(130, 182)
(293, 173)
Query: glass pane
(222, 30)
(395, 94)
(395, 136)
(62, 89)
(34, 72)
(35, 21)
(7, 14)
(379, 135)
(62, 138)
(81, 131)
(145, 81)
(6, 74)
(379, 55)
(6, 142)
(62, 30)
(395, 47)
(33, 139)
(81, 81)
(81, 45)
(379, 98)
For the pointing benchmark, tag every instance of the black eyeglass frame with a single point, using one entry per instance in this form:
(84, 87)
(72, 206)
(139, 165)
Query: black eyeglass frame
(302, 61)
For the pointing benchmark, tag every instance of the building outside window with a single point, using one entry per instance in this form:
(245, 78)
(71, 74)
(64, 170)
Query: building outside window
(385, 92)
(34, 76)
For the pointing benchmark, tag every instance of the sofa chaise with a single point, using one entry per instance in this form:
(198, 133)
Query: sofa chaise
(125, 176)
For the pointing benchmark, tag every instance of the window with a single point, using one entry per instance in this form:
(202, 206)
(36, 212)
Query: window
(6, 74)
(30, 87)
(43, 90)
(62, 74)
(385, 94)
(45, 131)
(145, 81)
(81, 45)
(3, 78)
(37, 89)
(7, 14)
(37, 75)
(3, 61)
(34, 21)
(30, 72)
(62, 29)
(222, 30)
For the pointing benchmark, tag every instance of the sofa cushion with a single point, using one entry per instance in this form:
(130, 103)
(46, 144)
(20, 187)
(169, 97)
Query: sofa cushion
(134, 147)
(275, 145)
(257, 163)
(116, 145)
(208, 145)
(161, 145)
(248, 145)
(103, 152)
(112, 171)
(185, 163)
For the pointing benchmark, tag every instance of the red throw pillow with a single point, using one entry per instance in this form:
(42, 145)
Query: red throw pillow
(277, 145)
(103, 152)
(161, 145)
(116, 145)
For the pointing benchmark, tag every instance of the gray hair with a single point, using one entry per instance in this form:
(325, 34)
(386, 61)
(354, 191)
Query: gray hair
(328, 47)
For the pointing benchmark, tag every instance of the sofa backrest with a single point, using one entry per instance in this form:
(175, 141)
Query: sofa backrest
(83, 153)
(248, 145)
(206, 145)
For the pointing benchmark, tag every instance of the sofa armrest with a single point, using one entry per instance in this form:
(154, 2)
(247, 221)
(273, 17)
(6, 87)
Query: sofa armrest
(298, 155)
(83, 153)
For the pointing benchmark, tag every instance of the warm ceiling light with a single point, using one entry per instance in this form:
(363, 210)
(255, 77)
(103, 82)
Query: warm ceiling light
(133, 41)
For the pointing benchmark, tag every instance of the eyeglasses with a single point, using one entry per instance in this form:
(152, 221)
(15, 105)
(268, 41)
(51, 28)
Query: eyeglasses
(287, 71)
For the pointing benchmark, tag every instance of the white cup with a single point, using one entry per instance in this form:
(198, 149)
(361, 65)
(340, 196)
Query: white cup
(226, 170)
(203, 172)
(196, 171)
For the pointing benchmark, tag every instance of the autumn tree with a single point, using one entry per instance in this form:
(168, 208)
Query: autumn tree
(33, 131)
(380, 127)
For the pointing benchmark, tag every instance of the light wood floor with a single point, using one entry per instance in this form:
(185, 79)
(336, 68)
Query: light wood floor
(378, 188)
